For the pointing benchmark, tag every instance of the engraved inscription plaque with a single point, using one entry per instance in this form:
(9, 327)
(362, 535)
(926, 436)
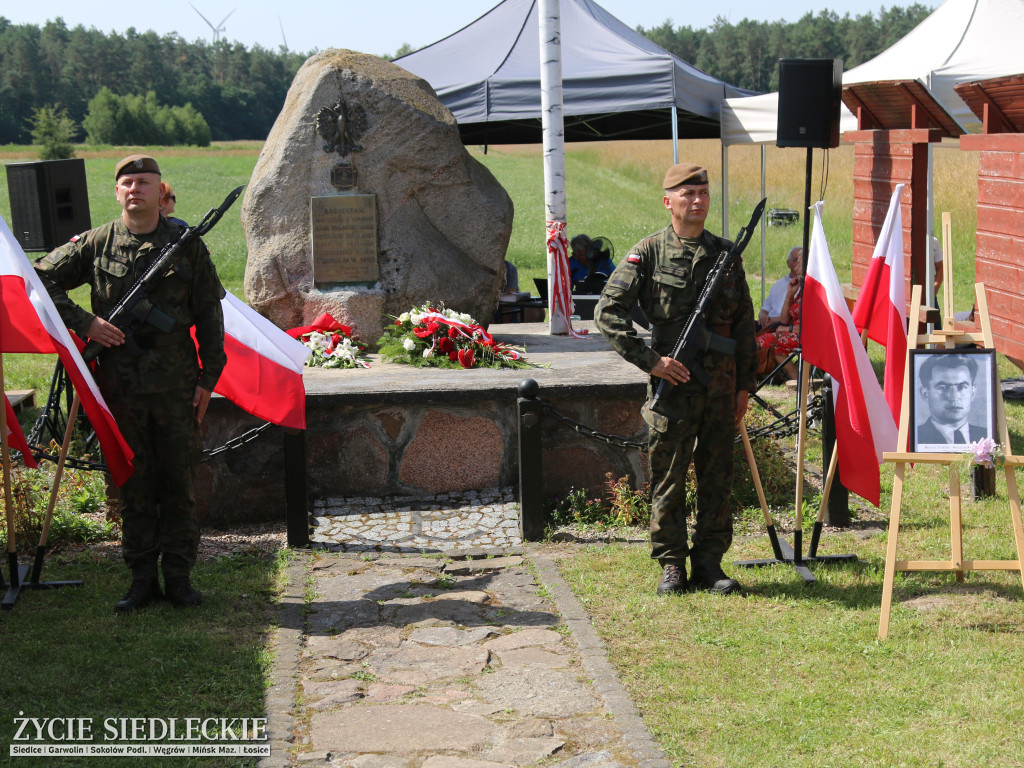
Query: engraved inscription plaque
(344, 229)
(343, 177)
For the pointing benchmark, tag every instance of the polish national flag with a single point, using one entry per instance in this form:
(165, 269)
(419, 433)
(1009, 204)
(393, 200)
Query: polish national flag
(15, 437)
(865, 427)
(263, 374)
(881, 305)
(29, 322)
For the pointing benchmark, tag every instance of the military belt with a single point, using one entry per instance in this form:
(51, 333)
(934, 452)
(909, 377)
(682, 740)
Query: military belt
(155, 340)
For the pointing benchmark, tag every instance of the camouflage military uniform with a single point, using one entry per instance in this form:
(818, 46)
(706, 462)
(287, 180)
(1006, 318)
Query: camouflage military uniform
(664, 275)
(149, 395)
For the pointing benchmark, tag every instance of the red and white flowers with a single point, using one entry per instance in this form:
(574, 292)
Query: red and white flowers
(445, 338)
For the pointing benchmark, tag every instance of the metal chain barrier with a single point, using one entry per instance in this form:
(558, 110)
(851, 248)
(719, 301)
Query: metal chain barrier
(785, 426)
(237, 442)
(583, 429)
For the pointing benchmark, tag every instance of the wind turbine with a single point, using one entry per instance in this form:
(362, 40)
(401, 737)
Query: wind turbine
(219, 27)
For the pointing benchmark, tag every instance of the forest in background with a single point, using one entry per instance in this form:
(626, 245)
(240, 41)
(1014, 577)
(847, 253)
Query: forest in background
(240, 91)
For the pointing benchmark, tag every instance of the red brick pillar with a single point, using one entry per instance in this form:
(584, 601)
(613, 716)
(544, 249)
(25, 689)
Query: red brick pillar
(999, 257)
(883, 159)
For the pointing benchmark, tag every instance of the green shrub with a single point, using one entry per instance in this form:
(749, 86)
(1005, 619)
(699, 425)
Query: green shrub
(53, 130)
(81, 496)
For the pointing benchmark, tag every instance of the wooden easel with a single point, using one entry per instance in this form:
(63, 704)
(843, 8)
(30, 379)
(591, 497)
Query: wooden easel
(948, 337)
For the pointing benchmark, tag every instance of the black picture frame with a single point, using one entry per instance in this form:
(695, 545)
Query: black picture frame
(935, 376)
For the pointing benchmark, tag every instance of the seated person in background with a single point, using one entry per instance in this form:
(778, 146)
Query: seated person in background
(772, 307)
(590, 257)
(779, 319)
(511, 284)
(579, 258)
(167, 202)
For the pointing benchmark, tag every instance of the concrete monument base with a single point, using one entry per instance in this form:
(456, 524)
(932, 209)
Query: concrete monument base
(396, 430)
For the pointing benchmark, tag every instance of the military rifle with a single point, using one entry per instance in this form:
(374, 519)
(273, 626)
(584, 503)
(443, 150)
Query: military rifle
(135, 308)
(695, 338)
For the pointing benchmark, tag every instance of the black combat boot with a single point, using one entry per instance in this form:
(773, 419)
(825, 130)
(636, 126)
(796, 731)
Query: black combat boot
(142, 592)
(673, 579)
(709, 576)
(180, 591)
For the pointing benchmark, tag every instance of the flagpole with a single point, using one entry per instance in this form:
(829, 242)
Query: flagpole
(553, 136)
(44, 537)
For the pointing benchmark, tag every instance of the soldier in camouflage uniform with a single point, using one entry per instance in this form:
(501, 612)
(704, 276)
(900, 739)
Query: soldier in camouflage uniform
(664, 274)
(160, 396)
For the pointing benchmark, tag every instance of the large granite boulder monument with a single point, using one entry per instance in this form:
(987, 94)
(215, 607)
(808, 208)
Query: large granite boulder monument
(364, 203)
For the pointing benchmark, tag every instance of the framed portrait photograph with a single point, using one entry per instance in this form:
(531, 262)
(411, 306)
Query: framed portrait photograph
(952, 398)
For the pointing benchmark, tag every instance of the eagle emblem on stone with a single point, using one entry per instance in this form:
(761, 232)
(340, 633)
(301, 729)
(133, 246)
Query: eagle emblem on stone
(341, 126)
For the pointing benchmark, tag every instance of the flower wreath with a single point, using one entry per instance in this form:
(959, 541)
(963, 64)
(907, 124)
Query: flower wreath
(332, 344)
(446, 339)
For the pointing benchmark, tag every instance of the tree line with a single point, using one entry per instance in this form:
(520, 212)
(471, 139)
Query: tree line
(746, 54)
(239, 91)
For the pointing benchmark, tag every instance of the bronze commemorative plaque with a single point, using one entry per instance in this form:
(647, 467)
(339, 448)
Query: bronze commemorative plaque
(344, 232)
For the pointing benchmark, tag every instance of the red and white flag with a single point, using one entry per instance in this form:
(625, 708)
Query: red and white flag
(15, 437)
(865, 427)
(29, 322)
(881, 307)
(263, 374)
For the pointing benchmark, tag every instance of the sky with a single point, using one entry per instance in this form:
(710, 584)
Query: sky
(378, 26)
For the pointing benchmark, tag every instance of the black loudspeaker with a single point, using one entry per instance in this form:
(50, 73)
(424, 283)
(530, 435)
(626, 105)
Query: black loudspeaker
(49, 202)
(810, 94)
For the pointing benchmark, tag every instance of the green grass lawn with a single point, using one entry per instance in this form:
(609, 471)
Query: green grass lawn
(67, 654)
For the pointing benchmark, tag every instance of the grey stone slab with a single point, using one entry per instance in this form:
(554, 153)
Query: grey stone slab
(542, 692)
(381, 636)
(449, 636)
(602, 759)
(450, 761)
(414, 664)
(381, 692)
(528, 658)
(398, 729)
(524, 751)
(523, 639)
(531, 728)
(487, 564)
(458, 611)
(335, 616)
(377, 761)
(335, 647)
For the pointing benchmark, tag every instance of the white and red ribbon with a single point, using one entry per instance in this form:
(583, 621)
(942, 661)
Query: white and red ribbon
(561, 287)
(470, 331)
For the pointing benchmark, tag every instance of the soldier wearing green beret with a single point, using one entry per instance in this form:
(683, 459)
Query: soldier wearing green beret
(664, 274)
(158, 397)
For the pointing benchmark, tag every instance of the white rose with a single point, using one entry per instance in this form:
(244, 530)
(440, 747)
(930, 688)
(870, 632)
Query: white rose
(404, 317)
(415, 317)
(409, 344)
(428, 352)
(468, 319)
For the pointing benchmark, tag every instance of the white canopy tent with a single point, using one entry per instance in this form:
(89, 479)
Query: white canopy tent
(961, 41)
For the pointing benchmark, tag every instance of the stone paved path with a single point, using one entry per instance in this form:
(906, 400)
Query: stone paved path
(463, 523)
(433, 662)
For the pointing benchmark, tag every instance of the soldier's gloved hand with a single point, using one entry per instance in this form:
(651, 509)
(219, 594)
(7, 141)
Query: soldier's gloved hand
(671, 369)
(105, 334)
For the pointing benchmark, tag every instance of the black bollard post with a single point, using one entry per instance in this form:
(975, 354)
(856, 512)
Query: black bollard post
(531, 509)
(296, 502)
(837, 513)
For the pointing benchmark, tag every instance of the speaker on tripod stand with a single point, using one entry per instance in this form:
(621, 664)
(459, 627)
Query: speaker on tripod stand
(810, 95)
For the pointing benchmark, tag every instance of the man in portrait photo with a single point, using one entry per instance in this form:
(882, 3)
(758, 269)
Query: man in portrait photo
(948, 386)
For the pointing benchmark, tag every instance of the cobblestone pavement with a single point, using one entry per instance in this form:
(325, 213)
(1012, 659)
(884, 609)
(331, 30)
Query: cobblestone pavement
(463, 523)
(412, 661)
